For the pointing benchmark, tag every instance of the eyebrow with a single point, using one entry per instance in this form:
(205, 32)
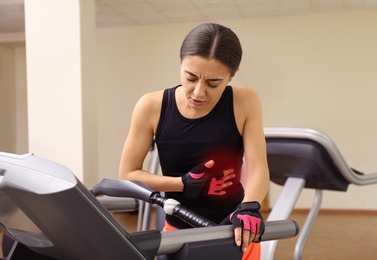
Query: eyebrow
(192, 74)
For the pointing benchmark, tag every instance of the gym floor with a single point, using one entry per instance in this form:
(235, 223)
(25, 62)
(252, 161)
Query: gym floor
(342, 235)
(335, 235)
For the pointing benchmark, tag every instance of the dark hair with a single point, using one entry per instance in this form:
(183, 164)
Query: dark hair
(211, 40)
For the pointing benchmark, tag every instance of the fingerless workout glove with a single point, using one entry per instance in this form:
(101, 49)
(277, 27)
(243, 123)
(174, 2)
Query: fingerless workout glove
(247, 217)
(198, 181)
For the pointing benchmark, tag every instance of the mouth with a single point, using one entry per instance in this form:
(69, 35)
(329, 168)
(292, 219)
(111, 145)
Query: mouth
(197, 102)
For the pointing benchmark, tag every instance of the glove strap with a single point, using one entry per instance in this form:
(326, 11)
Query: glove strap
(252, 206)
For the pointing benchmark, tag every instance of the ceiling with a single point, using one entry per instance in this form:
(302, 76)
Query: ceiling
(140, 12)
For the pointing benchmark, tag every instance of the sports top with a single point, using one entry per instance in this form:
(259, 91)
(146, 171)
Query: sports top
(183, 143)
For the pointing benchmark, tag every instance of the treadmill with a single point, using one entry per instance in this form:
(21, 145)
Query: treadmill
(304, 158)
(51, 215)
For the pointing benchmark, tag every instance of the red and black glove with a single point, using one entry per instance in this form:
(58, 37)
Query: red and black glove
(247, 217)
(200, 182)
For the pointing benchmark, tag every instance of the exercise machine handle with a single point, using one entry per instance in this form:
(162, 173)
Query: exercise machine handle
(123, 188)
(174, 208)
(141, 191)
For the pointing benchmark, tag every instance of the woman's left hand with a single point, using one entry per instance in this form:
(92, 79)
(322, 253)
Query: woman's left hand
(248, 224)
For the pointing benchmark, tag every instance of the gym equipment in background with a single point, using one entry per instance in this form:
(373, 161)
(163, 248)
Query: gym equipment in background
(301, 158)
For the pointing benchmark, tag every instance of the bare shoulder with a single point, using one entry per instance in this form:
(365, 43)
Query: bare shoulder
(245, 96)
(247, 107)
(244, 92)
(151, 99)
(147, 110)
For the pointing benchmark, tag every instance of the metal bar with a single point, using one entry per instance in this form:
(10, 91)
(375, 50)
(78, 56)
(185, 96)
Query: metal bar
(172, 241)
(308, 225)
(282, 210)
(119, 204)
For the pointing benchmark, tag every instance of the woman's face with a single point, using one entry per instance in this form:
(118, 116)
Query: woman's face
(203, 81)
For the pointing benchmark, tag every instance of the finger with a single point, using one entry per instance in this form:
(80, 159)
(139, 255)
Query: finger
(220, 193)
(229, 177)
(226, 184)
(256, 238)
(209, 164)
(245, 239)
(199, 169)
(226, 179)
(228, 171)
(238, 236)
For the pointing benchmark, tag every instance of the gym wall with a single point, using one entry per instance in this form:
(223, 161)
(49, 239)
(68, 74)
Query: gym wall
(314, 70)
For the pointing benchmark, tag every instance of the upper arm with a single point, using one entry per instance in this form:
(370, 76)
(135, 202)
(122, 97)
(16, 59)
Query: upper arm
(253, 134)
(248, 111)
(141, 133)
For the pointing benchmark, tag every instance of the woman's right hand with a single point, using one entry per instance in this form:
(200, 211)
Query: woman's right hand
(201, 181)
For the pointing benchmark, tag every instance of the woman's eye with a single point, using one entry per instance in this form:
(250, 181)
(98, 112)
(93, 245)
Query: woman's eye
(212, 85)
(190, 80)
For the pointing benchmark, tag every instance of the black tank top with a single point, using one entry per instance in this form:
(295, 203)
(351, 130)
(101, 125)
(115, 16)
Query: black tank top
(183, 143)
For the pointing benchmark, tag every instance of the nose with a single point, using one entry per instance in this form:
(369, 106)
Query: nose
(199, 90)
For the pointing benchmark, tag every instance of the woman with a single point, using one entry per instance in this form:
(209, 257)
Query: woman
(203, 129)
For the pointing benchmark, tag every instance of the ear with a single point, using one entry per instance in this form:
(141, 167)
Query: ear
(231, 76)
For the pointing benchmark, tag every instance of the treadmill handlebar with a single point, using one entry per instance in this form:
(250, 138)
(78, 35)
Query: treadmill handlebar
(119, 204)
(174, 208)
(124, 188)
(141, 191)
(173, 241)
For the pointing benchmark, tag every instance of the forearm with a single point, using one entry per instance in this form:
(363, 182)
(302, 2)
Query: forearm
(158, 182)
(256, 186)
